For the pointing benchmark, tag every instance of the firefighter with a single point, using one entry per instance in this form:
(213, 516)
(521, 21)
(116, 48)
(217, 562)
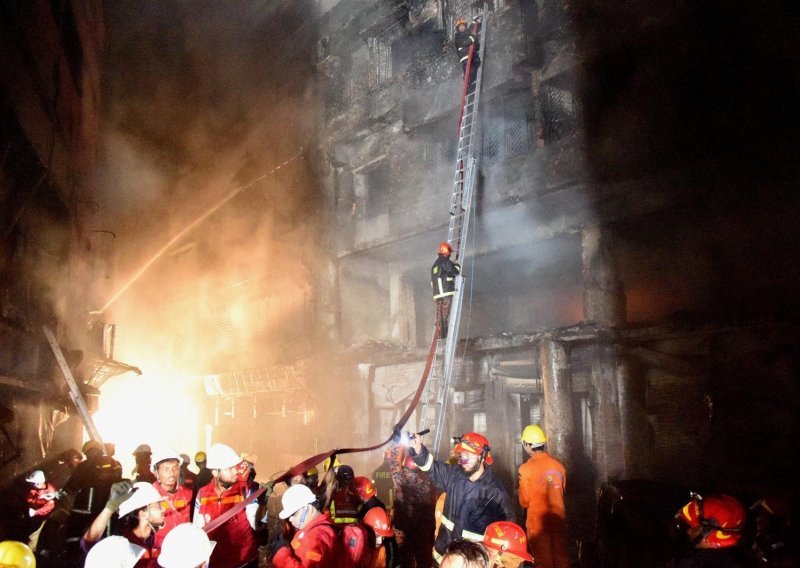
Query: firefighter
(59, 472)
(187, 476)
(507, 545)
(475, 497)
(713, 526)
(186, 546)
(542, 481)
(178, 498)
(236, 541)
(140, 506)
(316, 542)
(443, 282)
(14, 554)
(368, 495)
(464, 39)
(380, 525)
(204, 476)
(142, 471)
(93, 478)
(344, 500)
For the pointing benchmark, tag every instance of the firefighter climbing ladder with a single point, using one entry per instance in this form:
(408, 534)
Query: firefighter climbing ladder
(435, 399)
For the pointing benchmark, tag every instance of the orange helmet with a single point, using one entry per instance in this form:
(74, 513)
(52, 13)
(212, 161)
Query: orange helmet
(720, 516)
(444, 248)
(459, 22)
(364, 488)
(474, 443)
(505, 536)
(378, 519)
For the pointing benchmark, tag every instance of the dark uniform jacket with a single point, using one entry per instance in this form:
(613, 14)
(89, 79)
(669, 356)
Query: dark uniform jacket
(463, 41)
(470, 506)
(443, 277)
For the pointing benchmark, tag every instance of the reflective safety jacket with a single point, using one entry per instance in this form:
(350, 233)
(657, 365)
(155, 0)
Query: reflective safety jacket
(150, 557)
(344, 506)
(316, 544)
(443, 277)
(176, 509)
(469, 506)
(236, 539)
(463, 41)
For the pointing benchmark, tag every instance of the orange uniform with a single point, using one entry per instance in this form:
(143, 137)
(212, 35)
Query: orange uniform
(176, 509)
(542, 481)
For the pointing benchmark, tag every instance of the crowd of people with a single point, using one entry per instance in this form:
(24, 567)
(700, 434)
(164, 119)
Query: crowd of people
(453, 513)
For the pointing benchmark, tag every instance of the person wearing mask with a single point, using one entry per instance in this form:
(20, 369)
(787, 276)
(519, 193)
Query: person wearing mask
(443, 283)
(236, 541)
(316, 541)
(542, 481)
(475, 498)
(140, 507)
(177, 498)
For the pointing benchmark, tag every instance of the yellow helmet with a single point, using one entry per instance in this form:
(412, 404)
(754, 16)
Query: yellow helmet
(16, 555)
(327, 464)
(312, 470)
(200, 457)
(533, 435)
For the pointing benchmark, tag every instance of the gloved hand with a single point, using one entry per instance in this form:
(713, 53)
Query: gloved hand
(120, 492)
(477, 19)
(269, 485)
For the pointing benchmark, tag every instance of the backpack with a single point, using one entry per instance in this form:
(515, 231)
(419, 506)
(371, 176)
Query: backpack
(355, 542)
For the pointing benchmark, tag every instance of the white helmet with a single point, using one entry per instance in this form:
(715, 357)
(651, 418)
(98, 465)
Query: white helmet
(161, 454)
(221, 456)
(185, 546)
(143, 495)
(113, 552)
(36, 477)
(295, 498)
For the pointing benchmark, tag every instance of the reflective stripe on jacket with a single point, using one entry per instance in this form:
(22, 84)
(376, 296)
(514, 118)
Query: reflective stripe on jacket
(236, 541)
(443, 277)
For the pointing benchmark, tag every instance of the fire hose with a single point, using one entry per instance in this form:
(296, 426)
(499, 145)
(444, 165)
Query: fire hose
(306, 464)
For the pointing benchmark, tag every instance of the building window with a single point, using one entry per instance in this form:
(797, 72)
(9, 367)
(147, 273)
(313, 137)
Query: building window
(376, 183)
(561, 112)
(381, 59)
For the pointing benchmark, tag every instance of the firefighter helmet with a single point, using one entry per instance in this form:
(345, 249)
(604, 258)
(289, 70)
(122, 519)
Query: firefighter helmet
(91, 446)
(312, 471)
(327, 464)
(70, 455)
(16, 554)
(200, 457)
(221, 456)
(345, 475)
(365, 488)
(185, 545)
(295, 498)
(37, 477)
(378, 519)
(142, 449)
(721, 518)
(445, 249)
(533, 435)
(505, 536)
(474, 443)
(113, 551)
(460, 22)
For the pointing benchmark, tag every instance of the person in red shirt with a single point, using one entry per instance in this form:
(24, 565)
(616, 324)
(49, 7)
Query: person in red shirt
(316, 542)
(542, 481)
(41, 502)
(140, 508)
(178, 498)
(236, 541)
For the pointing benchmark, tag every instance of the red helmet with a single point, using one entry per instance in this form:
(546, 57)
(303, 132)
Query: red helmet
(474, 443)
(364, 488)
(505, 536)
(459, 22)
(445, 248)
(720, 516)
(378, 519)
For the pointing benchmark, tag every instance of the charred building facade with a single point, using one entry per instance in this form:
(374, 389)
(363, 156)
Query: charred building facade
(51, 256)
